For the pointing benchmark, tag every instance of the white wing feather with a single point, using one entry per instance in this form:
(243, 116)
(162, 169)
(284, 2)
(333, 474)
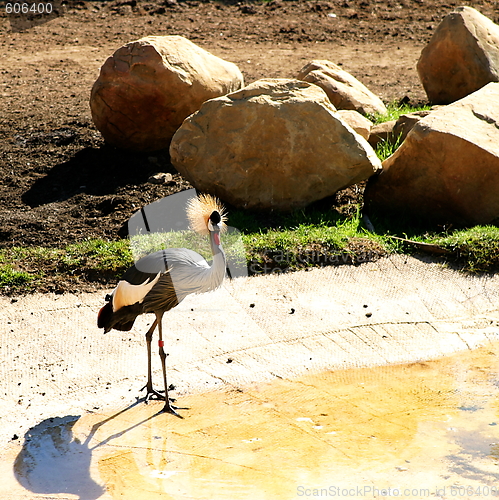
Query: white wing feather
(126, 294)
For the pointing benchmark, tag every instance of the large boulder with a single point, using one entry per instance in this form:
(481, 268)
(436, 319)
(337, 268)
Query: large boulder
(276, 144)
(147, 88)
(461, 57)
(343, 89)
(447, 169)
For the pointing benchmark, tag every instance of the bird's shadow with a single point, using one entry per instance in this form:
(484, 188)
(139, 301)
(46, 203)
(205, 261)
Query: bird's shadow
(52, 460)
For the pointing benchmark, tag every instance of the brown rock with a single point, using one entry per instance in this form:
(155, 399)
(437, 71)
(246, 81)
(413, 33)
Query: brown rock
(359, 123)
(381, 132)
(276, 144)
(343, 89)
(461, 57)
(148, 87)
(405, 123)
(447, 169)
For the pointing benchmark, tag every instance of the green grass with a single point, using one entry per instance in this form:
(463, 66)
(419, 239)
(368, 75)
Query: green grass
(30, 268)
(303, 239)
(14, 280)
(476, 248)
(98, 254)
(310, 245)
(394, 110)
(387, 147)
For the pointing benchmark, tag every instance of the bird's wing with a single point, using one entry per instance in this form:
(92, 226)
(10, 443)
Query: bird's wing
(146, 267)
(184, 268)
(126, 294)
(161, 262)
(184, 257)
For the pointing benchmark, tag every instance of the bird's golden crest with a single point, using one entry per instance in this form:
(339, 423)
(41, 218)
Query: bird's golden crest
(199, 210)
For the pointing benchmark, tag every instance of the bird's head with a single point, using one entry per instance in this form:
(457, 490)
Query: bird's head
(207, 215)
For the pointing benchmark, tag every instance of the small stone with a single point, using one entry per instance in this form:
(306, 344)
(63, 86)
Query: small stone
(160, 178)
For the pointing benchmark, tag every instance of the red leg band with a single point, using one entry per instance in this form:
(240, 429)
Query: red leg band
(161, 343)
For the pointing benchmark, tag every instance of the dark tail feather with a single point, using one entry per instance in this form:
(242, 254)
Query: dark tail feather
(104, 317)
(121, 320)
(124, 327)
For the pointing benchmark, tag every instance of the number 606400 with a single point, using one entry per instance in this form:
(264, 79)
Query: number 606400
(26, 8)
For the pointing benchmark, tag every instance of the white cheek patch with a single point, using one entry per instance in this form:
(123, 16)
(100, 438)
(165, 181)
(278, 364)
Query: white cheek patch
(210, 225)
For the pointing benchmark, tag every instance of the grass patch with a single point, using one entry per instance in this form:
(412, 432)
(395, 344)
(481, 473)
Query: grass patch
(24, 269)
(394, 110)
(12, 280)
(286, 242)
(98, 254)
(267, 243)
(472, 250)
(386, 147)
(308, 245)
(477, 248)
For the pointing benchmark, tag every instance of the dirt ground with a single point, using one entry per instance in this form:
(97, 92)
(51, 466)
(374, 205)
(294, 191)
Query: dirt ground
(60, 182)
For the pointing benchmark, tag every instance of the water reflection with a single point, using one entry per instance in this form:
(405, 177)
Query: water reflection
(422, 429)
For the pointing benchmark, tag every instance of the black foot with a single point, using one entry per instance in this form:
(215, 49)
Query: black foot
(169, 408)
(154, 395)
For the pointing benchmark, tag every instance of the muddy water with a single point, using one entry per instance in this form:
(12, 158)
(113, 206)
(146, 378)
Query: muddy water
(424, 430)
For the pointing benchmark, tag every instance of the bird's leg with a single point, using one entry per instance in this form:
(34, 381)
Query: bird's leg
(151, 393)
(168, 406)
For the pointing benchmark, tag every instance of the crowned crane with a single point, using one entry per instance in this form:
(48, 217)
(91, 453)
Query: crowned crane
(160, 281)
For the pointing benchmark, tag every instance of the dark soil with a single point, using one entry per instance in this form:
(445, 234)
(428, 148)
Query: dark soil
(59, 181)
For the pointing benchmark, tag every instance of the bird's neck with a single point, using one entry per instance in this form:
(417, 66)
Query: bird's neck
(218, 266)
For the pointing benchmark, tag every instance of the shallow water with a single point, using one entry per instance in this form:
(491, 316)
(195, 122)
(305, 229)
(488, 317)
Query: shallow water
(424, 430)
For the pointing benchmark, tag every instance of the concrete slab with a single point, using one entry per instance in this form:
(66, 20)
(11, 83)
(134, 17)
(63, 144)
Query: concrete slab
(424, 430)
(58, 371)
(394, 310)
